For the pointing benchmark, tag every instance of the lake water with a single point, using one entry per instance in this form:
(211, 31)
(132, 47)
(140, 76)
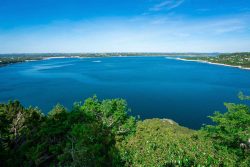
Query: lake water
(154, 87)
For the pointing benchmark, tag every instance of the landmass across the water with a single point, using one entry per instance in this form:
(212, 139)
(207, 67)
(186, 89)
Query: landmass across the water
(6, 59)
(239, 60)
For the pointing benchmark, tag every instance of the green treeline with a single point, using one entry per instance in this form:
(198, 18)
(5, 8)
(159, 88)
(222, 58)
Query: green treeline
(234, 59)
(101, 133)
(6, 59)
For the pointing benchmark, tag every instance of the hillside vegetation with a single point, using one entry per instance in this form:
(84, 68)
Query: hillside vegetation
(101, 133)
(233, 59)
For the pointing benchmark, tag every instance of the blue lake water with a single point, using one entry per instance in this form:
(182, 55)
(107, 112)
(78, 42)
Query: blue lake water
(154, 87)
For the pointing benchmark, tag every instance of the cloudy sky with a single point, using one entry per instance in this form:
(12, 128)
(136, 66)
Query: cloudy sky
(32, 26)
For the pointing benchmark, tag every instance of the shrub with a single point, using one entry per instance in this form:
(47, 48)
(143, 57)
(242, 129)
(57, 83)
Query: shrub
(165, 143)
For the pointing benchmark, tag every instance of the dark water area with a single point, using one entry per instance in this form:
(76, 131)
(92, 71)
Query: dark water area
(154, 87)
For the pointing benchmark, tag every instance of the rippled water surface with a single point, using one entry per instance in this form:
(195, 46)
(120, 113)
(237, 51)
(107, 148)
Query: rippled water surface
(186, 92)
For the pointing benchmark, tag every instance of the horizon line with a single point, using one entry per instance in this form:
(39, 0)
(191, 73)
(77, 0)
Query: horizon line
(118, 52)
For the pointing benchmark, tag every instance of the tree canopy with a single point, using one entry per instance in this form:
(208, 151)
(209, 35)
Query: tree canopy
(102, 133)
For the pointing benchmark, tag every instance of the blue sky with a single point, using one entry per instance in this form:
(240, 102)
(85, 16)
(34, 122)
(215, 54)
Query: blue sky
(31, 26)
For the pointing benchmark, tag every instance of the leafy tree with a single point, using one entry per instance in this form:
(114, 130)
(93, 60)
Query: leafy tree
(232, 131)
(17, 125)
(94, 142)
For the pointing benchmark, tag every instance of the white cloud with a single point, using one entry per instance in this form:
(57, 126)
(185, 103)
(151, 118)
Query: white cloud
(140, 34)
(167, 5)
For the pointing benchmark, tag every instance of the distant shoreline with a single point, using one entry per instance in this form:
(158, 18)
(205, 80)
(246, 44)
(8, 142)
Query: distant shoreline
(30, 59)
(219, 64)
(8, 60)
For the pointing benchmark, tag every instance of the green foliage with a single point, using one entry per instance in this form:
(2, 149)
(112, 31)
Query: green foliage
(235, 59)
(231, 130)
(164, 143)
(101, 133)
(93, 143)
(86, 136)
(243, 97)
(17, 126)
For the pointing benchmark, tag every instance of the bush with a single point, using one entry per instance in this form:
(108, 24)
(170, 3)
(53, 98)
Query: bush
(231, 131)
(164, 143)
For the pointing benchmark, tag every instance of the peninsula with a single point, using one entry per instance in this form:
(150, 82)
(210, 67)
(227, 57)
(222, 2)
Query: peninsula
(239, 60)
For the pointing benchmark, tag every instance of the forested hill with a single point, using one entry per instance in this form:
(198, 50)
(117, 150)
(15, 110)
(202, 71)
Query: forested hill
(101, 133)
